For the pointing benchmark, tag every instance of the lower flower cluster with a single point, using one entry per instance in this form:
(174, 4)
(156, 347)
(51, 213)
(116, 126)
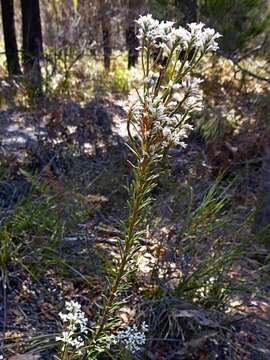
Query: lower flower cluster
(74, 326)
(131, 338)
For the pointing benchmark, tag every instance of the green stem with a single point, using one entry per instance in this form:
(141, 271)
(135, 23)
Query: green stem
(143, 170)
(142, 58)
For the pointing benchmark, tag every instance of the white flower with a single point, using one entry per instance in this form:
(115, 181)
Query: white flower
(212, 280)
(210, 37)
(66, 337)
(179, 96)
(149, 82)
(188, 88)
(164, 30)
(161, 110)
(131, 337)
(156, 109)
(172, 105)
(151, 79)
(197, 37)
(178, 65)
(155, 75)
(193, 93)
(147, 29)
(137, 111)
(74, 324)
(176, 86)
(178, 137)
(163, 35)
(73, 306)
(194, 102)
(182, 36)
(196, 28)
(147, 23)
(191, 83)
(64, 317)
(174, 132)
(204, 39)
(188, 127)
(144, 327)
(167, 132)
(182, 144)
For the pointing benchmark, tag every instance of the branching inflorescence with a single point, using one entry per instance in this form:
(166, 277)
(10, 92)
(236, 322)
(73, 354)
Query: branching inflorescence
(157, 119)
(131, 338)
(74, 328)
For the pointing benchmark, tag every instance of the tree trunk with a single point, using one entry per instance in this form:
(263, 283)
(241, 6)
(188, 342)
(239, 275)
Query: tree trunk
(106, 32)
(10, 37)
(107, 50)
(32, 41)
(131, 38)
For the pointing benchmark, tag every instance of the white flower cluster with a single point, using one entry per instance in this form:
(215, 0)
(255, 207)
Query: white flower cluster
(169, 93)
(191, 86)
(147, 28)
(203, 38)
(131, 337)
(165, 35)
(165, 123)
(74, 324)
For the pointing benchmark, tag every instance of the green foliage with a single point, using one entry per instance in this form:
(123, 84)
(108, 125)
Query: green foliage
(5, 255)
(207, 283)
(204, 249)
(201, 220)
(215, 124)
(163, 9)
(35, 214)
(119, 76)
(120, 79)
(239, 21)
(38, 221)
(31, 231)
(58, 67)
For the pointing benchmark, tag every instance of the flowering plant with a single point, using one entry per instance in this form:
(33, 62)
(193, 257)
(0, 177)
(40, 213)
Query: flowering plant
(157, 119)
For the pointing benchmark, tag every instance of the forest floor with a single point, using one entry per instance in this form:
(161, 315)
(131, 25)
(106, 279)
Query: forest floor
(63, 171)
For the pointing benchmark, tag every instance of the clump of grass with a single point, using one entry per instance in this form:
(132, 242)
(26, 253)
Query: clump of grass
(201, 220)
(203, 249)
(217, 123)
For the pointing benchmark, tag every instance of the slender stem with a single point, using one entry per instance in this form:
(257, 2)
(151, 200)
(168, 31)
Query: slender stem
(142, 58)
(157, 59)
(143, 168)
(147, 62)
(189, 68)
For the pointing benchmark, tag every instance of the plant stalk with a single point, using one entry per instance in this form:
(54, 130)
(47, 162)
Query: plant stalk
(138, 199)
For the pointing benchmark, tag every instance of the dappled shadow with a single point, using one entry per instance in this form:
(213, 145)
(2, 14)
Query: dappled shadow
(18, 130)
(67, 139)
(68, 127)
